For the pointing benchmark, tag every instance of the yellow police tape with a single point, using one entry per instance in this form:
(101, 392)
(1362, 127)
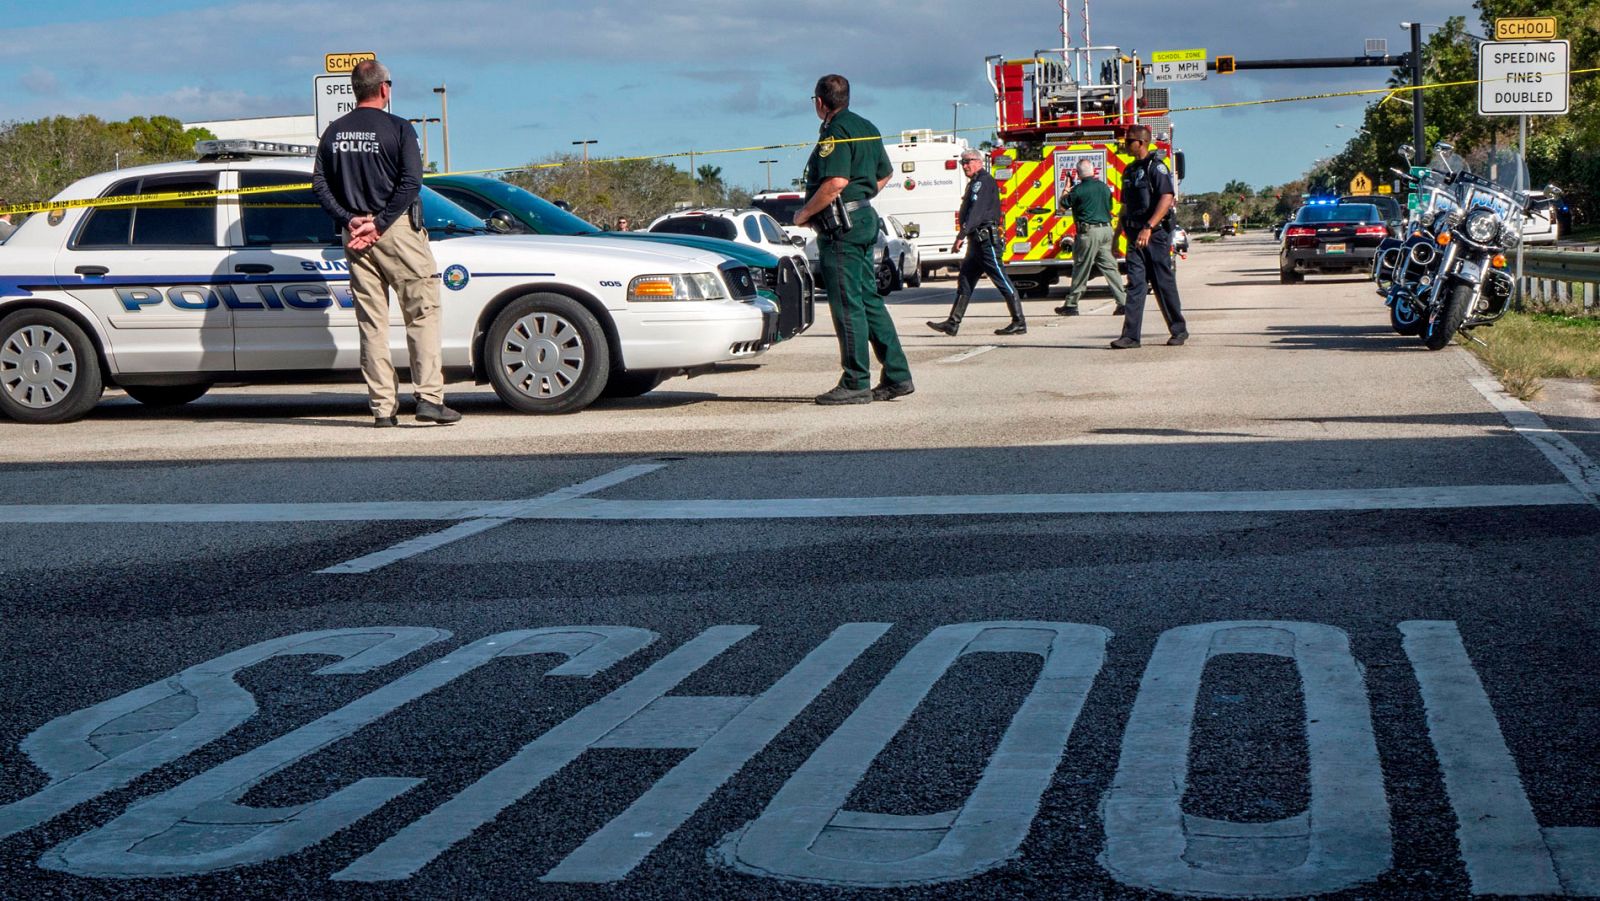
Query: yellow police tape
(168, 196)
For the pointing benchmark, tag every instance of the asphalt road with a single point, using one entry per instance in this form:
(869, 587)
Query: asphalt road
(1296, 609)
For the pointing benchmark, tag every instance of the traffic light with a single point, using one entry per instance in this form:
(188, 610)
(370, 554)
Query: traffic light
(1225, 65)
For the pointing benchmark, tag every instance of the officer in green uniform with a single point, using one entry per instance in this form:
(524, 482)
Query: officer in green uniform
(1092, 251)
(852, 170)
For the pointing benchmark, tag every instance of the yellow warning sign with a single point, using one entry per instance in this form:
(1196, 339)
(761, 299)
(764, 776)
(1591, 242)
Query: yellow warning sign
(1385, 189)
(344, 62)
(1538, 28)
(1179, 56)
(1361, 184)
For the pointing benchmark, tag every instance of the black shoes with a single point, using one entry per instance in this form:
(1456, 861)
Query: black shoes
(384, 422)
(1178, 339)
(1017, 327)
(427, 411)
(945, 326)
(841, 395)
(887, 390)
(1065, 310)
(1124, 344)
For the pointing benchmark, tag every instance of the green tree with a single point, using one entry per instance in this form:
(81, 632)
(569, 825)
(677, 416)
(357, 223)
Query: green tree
(638, 189)
(40, 158)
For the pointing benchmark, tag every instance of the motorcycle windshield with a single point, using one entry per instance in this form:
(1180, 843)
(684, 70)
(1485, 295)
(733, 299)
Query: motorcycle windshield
(1446, 161)
(1505, 168)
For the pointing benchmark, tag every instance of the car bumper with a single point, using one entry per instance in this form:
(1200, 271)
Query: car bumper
(684, 335)
(1315, 260)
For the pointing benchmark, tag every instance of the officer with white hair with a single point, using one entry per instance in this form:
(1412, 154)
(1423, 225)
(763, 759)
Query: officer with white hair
(1090, 203)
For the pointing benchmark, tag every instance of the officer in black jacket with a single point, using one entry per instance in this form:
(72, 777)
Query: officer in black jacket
(1148, 193)
(980, 227)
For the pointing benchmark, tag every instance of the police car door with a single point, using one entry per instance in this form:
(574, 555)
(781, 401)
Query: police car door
(150, 273)
(297, 312)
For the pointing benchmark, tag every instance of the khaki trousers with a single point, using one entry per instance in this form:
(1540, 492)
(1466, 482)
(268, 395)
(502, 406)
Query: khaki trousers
(1094, 253)
(401, 261)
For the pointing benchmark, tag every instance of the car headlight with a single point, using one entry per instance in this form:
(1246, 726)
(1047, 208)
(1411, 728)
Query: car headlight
(1482, 226)
(677, 286)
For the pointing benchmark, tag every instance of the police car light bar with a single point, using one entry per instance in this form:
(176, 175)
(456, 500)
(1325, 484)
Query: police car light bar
(243, 147)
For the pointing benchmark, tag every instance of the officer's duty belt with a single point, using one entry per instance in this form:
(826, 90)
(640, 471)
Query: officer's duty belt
(853, 205)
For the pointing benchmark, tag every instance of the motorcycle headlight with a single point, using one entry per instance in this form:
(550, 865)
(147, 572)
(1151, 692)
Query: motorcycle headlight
(677, 286)
(1482, 226)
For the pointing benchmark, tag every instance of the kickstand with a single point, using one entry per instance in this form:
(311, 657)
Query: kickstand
(1472, 337)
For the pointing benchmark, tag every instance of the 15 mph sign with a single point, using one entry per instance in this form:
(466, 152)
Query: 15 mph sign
(1523, 78)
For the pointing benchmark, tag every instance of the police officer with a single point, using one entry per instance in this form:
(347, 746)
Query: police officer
(1148, 194)
(368, 176)
(1090, 203)
(850, 165)
(978, 222)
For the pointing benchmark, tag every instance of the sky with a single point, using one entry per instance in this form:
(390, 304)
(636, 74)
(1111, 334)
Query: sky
(527, 79)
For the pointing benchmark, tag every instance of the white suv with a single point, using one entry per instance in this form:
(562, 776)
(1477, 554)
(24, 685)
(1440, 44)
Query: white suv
(748, 226)
(166, 298)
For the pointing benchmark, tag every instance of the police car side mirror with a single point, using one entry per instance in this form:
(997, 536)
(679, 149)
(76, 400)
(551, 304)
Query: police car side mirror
(1553, 191)
(797, 240)
(503, 222)
(913, 230)
(1178, 167)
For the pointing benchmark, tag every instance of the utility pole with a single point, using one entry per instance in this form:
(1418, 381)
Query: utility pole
(444, 118)
(424, 123)
(955, 112)
(1419, 138)
(768, 164)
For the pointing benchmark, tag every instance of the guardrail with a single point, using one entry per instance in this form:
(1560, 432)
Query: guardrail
(1567, 276)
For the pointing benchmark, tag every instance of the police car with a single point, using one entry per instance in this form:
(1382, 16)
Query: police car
(165, 298)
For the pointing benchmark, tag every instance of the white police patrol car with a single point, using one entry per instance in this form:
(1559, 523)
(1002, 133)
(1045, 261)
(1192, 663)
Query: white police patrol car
(167, 297)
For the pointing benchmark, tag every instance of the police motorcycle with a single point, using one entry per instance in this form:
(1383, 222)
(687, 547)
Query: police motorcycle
(1447, 271)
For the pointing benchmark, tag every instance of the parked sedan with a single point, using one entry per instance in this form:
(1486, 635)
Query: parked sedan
(779, 276)
(1330, 237)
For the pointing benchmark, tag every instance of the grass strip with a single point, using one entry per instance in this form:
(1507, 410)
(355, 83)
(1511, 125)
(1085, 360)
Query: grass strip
(1526, 348)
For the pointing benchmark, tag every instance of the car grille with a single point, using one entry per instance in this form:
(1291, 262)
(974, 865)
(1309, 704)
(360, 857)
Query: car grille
(741, 283)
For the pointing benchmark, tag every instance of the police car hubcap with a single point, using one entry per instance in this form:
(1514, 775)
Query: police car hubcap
(37, 366)
(543, 355)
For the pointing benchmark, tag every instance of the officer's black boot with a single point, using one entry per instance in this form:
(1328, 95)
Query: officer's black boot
(1019, 324)
(952, 324)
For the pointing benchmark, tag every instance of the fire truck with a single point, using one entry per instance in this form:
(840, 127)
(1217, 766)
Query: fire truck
(1053, 109)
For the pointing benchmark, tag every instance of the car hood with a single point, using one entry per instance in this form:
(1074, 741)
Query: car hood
(750, 256)
(635, 254)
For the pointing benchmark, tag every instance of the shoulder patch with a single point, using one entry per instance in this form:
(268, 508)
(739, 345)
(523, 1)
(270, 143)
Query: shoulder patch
(825, 147)
(1162, 168)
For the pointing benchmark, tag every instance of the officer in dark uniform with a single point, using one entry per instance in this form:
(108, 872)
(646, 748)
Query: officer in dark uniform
(979, 224)
(1148, 194)
(850, 165)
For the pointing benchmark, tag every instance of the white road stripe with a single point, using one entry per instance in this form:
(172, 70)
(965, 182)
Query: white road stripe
(488, 519)
(1573, 463)
(569, 504)
(968, 354)
(1025, 504)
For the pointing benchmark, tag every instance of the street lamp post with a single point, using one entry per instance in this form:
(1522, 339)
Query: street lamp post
(444, 120)
(768, 164)
(955, 113)
(424, 123)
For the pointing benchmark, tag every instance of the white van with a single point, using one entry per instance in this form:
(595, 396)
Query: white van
(925, 191)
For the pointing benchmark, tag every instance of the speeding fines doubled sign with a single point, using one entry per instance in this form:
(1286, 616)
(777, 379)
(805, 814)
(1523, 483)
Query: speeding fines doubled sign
(1523, 78)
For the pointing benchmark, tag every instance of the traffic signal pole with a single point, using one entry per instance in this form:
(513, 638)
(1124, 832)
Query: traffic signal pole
(1419, 140)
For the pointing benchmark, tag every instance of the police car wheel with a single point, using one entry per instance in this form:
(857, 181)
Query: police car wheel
(166, 395)
(915, 279)
(547, 354)
(49, 371)
(884, 276)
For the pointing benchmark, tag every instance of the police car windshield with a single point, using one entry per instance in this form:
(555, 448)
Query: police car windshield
(1344, 212)
(444, 218)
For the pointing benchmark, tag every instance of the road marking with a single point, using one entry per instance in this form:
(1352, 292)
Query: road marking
(1579, 469)
(969, 353)
(1505, 850)
(1342, 839)
(104, 747)
(575, 507)
(200, 826)
(806, 834)
(491, 518)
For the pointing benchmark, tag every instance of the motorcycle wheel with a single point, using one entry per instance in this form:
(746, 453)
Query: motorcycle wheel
(1404, 319)
(1436, 333)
